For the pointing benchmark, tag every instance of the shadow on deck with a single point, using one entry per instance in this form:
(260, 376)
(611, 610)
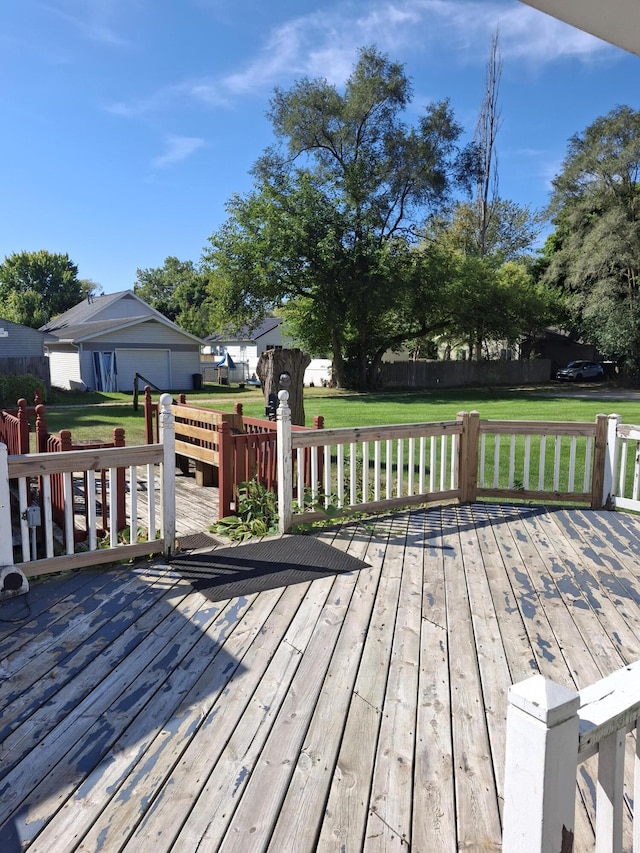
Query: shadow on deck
(352, 712)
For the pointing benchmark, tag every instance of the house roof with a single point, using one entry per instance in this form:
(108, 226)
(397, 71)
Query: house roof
(84, 310)
(76, 324)
(246, 333)
(616, 21)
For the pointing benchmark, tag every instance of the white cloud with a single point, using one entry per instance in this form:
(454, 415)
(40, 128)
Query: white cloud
(177, 148)
(325, 44)
(95, 20)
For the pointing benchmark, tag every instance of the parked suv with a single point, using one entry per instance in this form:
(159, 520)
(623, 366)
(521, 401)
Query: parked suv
(578, 370)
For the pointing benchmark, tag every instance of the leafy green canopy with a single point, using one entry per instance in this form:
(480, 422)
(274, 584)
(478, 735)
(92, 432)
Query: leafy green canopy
(180, 291)
(37, 286)
(594, 252)
(329, 230)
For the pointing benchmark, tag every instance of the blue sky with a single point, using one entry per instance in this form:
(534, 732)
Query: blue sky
(127, 124)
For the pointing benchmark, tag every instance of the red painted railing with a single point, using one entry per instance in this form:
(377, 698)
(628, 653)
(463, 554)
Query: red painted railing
(48, 443)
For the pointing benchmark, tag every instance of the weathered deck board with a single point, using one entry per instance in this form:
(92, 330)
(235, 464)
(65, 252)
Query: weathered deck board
(358, 712)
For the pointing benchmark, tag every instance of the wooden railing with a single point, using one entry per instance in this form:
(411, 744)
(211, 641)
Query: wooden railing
(225, 448)
(150, 526)
(550, 731)
(374, 468)
(16, 424)
(110, 511)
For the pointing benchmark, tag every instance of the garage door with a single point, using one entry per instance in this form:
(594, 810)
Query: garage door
(153, 364)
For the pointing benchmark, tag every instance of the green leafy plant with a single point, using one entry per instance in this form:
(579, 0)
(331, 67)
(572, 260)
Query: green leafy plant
(257, 514)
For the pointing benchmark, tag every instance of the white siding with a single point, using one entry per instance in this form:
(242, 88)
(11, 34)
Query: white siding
(64, 366)
(123, 308)
(183, 366)
(154, 365)
(149, 332)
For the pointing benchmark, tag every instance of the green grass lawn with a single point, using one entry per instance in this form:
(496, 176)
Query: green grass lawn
(93, 415)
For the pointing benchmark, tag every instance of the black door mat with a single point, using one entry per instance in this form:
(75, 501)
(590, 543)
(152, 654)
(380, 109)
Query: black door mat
(232, 572)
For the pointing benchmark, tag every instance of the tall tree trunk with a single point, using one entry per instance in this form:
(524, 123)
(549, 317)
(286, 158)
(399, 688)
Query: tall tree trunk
(273, 367)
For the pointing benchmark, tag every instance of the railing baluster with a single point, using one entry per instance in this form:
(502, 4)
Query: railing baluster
(23, 501)
(353, 474)
(91, 510)
(151, 500)
(389, 469)
(527, 462)
(483, 455)
(512, 461)
(443, 462)
(542, 462)
(496, 461)
(610, 793)
(556, 464)
(636, 473)
(433, 464)
(365, 471)
(47, 514)
(623, 467)
(411, 467)
(572, 463)
(588, 453)
(636, 791)
(400, 468)
(421, 477)
(340, 473)
(133, 500)
(327, 474)
(300, 477)
(376, 471)
(67, 491)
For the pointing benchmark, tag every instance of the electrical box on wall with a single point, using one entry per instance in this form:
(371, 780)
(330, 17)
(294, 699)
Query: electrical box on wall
(12, 582)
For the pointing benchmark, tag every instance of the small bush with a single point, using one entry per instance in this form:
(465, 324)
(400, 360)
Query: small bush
(12, 388)
(257, 514)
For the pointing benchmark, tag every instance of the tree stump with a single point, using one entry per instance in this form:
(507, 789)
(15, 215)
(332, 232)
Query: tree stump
(284, 368)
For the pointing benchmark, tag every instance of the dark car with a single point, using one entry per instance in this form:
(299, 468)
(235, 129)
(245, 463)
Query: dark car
(579, 370)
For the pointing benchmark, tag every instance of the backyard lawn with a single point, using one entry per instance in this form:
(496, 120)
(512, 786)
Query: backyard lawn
(95, 415)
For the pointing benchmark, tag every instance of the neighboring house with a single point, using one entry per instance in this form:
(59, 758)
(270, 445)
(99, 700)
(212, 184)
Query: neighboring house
(246, 347)
(102, 343)
(22, 351)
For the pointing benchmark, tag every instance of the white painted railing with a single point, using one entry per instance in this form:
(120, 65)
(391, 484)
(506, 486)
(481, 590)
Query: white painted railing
(366, 468)
(150, 504)
(622, 471)
(541, 460)
(550, 732)
(382, 467)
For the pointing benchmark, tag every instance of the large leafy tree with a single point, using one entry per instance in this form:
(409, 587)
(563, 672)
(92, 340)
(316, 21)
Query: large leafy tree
(594, 253)
(180, 291)
(337, 206)
(37, 286)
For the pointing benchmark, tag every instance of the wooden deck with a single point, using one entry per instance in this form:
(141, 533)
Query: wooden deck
(359, 712)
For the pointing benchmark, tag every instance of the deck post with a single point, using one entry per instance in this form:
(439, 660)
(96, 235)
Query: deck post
(599, 462)
(610, 462)
(285, 467)
(540, 771)
(168, 441)
(468, 459)
(6, 546)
